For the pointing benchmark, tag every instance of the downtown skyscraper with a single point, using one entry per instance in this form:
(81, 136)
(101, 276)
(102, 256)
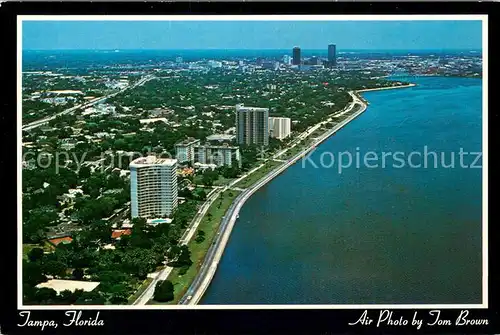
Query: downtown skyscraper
(332, 54)
(296, 56)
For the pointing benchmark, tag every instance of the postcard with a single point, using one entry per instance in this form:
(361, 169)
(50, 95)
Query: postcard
(182, 165)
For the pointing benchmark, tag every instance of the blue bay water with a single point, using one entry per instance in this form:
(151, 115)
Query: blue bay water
(369, 235)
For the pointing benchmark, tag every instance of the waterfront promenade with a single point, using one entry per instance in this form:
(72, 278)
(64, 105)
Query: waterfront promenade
(312, 233)
(209, 265)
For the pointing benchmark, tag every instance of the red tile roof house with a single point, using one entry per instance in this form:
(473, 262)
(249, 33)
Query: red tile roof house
(56, 241)
(116, 234)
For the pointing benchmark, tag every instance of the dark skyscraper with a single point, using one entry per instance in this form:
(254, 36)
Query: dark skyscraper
(332, 57)
(296, 56)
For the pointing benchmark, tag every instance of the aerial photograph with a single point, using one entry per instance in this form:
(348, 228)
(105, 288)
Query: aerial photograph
(169, 161)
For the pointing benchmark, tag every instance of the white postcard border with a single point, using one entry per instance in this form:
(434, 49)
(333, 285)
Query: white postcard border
(483, 18)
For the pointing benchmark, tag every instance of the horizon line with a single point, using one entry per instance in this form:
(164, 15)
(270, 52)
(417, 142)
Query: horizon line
(255, 49)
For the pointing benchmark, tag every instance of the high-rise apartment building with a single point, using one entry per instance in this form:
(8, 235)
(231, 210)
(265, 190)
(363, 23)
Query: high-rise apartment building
(252, 125)
(153, 187)
(287, 60)
(184, 150)
(279, 127)
(219, 155)
(296, 56)
(332, 57)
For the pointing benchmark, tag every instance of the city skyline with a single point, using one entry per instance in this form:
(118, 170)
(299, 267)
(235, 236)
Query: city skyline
(260, 144)
(274, 35)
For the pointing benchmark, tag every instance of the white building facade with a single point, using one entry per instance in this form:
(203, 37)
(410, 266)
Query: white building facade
(153, 187)
(184, 150)
(279, 127)
(219, 155)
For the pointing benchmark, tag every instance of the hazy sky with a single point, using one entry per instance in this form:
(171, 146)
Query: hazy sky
(46, 35)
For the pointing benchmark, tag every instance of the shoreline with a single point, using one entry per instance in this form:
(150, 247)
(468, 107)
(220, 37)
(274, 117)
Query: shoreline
(441, 75)
(385, 88)
(218, 287)
(209, 265)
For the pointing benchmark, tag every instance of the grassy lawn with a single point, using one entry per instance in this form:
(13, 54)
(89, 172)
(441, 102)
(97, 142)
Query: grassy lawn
(257, 175)
(295, 150)
(199, 250)
(222, 181)
(198, 180)
(141, 288)
(318, 132)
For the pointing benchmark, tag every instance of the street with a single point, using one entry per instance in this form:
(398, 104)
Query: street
(210, 262)
(209, 266)
(186, 237)
(40, 122)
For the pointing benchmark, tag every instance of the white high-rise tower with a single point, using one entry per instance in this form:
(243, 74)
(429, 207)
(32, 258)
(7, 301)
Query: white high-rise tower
(153, 187)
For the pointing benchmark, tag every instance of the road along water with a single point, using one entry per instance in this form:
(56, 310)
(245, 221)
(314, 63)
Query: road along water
(369, 235)
(216, 250)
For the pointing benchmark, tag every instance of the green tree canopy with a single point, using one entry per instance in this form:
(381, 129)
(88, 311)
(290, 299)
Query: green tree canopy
(164, 291)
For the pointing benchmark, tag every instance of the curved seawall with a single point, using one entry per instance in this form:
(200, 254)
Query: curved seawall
(215, 252)
(368, 235)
